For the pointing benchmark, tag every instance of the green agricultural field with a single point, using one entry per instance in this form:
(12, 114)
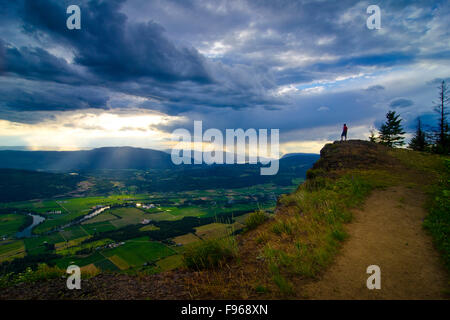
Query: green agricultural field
(163, 216)
(79, 261)
(214, 200)
(153, 210)
(238, 207)
(170, 263)
(73, 208)
(11, 249)
(134, 253)
(78, 247)
(176, 213)
(241, 219)
(181, 212)
(102, 217)
(74, 232)
(61, 246)
(213, 230)
(149, 227)
(138, 251)
(106, 265)
(10, 224)
(35, 245)
(98, 227)
(119, 262)
(128, 215)
(186, 239)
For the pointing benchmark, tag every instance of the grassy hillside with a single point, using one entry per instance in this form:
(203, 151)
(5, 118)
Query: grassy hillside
(286, 252)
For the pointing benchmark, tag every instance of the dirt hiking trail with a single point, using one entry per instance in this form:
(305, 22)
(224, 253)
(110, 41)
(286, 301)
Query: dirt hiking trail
(386, 232)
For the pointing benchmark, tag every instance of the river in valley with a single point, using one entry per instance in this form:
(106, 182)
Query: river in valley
(26, 233)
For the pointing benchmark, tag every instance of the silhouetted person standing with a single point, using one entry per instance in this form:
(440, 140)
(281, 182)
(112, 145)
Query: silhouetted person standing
(344, 132)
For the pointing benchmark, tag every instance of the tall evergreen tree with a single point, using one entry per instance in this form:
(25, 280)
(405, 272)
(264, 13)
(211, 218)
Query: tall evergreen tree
(419, 141)
(391, 132)
(442, 136)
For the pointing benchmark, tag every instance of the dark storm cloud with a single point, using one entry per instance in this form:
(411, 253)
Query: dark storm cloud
(37, 63)
(131, 57)
(48, 96)
(375, 88)
(25, 117)
(111, 45)
(401, 103)
(2, 57)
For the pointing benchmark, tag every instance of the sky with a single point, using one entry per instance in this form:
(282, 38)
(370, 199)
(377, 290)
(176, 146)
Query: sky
(139, 69)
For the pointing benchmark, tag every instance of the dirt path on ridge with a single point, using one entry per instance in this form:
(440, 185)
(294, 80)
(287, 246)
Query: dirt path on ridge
(387, 232)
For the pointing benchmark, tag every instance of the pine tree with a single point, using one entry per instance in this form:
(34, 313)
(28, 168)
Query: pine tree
(391, 132)
(442, 136)
(373, 137)
(419, 141)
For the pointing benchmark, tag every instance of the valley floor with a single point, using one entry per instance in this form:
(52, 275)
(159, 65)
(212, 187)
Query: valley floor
(386, 232)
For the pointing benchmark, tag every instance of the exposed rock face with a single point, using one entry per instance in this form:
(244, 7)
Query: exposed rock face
(352, 154)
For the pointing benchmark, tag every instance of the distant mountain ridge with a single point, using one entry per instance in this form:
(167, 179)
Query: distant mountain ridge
(99, 159)
(288, 155)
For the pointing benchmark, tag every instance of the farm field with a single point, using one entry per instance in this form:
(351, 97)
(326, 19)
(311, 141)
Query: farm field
(98, 227)
(186, 239)
(11, 249)
(149, 227)
(139, 251)
(127, 216)
(103, 217)
(80, 261)
(96, 244)
(74, 232)
(73, 208)
(170, 263)
(77, 245)
(213, 230)
(10, 224)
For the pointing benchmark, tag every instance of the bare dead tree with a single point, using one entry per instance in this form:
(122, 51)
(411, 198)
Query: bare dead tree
(440, 107)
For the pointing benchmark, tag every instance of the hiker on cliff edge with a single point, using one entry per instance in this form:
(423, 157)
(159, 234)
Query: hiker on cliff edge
(344, 132)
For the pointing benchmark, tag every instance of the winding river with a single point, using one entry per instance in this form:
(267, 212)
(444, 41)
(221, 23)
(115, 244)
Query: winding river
(26, 233)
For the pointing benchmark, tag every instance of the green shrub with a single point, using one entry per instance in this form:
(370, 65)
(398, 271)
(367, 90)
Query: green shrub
(210, 253)
(255, 219)
(315, 184)
(43, 272)
(438, 220)
(314, 173)
(316, 228)
(339, 234)
(261, 289)
(262, 237)
(281, 227)
(283, 284)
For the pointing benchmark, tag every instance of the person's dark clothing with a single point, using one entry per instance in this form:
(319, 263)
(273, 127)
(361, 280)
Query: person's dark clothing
(344, 132)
